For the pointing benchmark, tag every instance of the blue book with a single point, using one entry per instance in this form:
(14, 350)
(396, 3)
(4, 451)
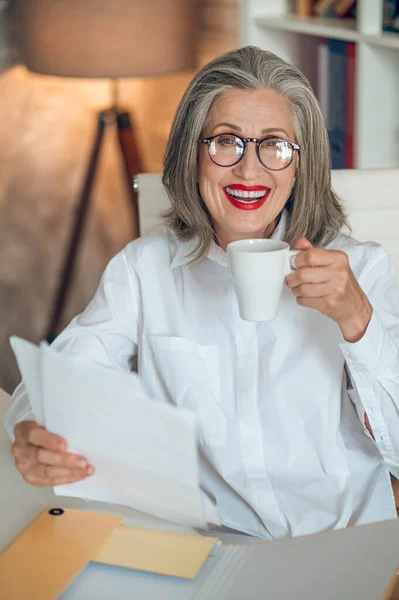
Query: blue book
(337, 102)
(390, 15)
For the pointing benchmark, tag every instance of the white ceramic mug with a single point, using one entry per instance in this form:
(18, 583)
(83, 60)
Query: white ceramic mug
(258, 268)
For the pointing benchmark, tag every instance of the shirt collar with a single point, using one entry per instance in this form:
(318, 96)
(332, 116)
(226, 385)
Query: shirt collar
(184, 250)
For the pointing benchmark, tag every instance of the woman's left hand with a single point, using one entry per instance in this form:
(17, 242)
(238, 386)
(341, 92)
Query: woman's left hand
(324, 281)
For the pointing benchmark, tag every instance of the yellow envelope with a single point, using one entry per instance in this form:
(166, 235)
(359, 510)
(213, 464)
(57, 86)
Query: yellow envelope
(174, 554)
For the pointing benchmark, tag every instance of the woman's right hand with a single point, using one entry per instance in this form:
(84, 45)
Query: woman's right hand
(42, 458)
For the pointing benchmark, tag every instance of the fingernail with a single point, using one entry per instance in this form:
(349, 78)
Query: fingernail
(82, 464)
(62, 446)
(90, 470)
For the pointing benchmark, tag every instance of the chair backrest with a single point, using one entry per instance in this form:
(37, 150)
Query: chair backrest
(371, 198)
(153, 200)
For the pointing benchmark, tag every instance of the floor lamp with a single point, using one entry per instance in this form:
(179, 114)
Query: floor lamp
(104, 39)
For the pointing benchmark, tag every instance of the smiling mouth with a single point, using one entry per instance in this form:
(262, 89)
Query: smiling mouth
(247, 199)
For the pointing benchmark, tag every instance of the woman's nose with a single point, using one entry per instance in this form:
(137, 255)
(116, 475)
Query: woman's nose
(249, 166)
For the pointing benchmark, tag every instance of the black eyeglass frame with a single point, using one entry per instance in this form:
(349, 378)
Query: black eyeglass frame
(245, 141)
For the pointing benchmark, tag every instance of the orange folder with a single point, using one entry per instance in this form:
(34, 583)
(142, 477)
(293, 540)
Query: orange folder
(41, 562)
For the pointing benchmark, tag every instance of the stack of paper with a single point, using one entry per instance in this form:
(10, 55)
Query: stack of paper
(144, 452)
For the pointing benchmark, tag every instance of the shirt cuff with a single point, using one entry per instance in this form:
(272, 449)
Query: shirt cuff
(374, 352)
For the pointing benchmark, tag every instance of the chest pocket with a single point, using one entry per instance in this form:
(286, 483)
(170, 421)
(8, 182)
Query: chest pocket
(188, 374)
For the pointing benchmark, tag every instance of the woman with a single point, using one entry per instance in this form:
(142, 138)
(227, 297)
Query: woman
(298, 417)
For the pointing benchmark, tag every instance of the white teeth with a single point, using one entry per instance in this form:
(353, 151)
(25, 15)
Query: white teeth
(246, 196)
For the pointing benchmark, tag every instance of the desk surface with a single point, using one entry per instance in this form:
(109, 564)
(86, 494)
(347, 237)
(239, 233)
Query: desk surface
(296, 573)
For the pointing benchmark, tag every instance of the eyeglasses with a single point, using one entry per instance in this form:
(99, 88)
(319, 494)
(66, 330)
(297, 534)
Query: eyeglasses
(227, 149)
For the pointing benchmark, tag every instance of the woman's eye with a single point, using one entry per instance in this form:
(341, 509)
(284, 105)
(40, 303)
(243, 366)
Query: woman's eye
(226, 142)
(272, 141)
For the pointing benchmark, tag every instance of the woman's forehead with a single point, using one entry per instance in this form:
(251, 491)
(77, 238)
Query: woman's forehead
(262, 108)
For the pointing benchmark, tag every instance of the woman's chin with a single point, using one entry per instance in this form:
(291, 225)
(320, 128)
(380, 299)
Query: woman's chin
(249, 228)
(232, 224)
(240, 233)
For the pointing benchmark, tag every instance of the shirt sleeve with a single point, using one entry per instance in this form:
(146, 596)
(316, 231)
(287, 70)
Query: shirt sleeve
(105, 334)
(373, 361)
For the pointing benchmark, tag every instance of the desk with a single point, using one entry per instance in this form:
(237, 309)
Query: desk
(296, 570)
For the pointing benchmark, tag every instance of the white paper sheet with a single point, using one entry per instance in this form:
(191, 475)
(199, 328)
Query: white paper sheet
(28, 359)
(144, 452)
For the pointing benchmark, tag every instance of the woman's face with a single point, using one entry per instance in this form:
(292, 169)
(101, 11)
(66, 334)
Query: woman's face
(249, 114)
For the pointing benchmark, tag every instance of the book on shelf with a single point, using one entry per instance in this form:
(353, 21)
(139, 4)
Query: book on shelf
(324, 8)
(337, 102)
(350, 104)
(334, 8)
(335, 91)
(390, 15)
(342, 7)
(304, 8)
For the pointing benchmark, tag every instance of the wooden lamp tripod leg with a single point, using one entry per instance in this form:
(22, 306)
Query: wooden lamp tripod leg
(132, 166)
(132, 163)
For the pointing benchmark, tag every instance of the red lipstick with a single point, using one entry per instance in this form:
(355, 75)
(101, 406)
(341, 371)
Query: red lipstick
(246, 203)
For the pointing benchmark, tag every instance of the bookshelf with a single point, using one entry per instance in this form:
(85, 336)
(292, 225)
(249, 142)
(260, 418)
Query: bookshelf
(271, 25)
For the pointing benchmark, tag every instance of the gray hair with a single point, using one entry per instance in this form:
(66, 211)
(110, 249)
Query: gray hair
(314, 210)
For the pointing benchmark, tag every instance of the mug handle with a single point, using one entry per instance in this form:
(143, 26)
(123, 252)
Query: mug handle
(290, 266)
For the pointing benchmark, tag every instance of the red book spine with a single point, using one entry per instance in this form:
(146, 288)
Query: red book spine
(350, 112)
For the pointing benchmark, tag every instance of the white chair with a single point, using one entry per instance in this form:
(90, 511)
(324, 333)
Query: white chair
(153, 200)
(370, 197)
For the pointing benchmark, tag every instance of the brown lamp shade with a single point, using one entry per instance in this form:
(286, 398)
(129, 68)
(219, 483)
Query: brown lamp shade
(107, 38)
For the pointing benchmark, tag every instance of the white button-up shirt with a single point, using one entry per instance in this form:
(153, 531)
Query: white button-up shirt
(280, 404)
